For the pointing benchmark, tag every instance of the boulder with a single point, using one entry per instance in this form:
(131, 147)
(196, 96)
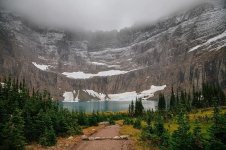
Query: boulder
(91, 138)
(84, 137)
(106, 123)
(124, 137)
(70, 138)
(116, 138)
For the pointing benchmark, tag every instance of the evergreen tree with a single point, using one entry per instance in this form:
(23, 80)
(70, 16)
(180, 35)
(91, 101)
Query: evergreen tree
(182, 138)
(172, 100)
(48, 137)
(218, 131)
(132, 108)
(197, 138)
(129, 110)
(159, 126)
(161, 103)
(12, 132)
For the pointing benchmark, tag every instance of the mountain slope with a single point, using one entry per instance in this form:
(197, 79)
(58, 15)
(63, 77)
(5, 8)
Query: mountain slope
(184, 50)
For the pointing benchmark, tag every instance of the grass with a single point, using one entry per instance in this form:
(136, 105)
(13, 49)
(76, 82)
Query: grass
(134, 135)
(171, 126)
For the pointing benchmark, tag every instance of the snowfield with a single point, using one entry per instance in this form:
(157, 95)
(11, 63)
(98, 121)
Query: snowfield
(82, 75)
(41, 67)
(98, 64)
(126, 96)
(218, 37)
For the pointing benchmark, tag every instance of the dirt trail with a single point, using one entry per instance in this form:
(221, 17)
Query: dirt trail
(109, 131)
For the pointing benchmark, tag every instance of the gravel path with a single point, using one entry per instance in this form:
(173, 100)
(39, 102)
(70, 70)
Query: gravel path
(109, 131)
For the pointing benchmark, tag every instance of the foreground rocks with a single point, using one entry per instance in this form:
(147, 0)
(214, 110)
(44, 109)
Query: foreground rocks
(122, 137)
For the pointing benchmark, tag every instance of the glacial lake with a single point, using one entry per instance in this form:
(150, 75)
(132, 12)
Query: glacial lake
(104, 106)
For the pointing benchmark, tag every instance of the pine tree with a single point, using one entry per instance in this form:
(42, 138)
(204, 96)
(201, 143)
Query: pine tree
(172, 100)
(181, 138)
(218, 130)
(129, 110)
(12, 133)
(132, 108)
(197, 138)
(162, 103)
(48, 137)
(159, 126)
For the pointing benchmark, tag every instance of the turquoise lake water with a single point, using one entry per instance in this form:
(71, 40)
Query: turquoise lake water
(104, 106)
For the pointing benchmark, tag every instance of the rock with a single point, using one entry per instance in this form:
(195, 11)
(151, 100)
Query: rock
(70, 138)
(125, 137)
(84, 137)
(91, 138)
(106, 123)
(116, 138)
(98, 138)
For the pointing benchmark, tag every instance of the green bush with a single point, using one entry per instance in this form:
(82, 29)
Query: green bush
(48, 138)
(137, 124)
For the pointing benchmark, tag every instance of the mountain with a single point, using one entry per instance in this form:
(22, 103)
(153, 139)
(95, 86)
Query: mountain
(182, 51)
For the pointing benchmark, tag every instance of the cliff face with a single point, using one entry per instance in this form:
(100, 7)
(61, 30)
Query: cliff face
(184, 50)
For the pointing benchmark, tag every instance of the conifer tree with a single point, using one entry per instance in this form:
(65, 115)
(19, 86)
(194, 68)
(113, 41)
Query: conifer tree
(161, 103)
(12, 132)
(132, 108)
(181, 138)
(172, 100)
(218, 130)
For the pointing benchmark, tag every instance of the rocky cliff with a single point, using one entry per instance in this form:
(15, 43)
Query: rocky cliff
(182, 50)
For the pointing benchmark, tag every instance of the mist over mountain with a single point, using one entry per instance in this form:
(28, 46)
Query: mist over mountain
(181, 48)
(96, 14)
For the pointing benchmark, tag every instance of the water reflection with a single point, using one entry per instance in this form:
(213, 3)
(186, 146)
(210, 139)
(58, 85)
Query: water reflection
(103, 106)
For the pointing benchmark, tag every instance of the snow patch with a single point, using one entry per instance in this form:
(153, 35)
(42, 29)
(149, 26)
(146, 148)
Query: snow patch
(82, 75)
(126, 96)
(41, 67)
(220, 36)
(2, 84)
(69, 96)
(133, 95)
(100, 96)
(98, 63)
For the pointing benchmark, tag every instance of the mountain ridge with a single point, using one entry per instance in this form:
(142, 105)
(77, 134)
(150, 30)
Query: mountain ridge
(158, 55)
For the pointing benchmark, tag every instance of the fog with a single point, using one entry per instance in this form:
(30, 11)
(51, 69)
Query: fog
(95, 14)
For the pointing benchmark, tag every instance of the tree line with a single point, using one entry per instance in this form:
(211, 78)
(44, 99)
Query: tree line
(31, 116)
(205, 97)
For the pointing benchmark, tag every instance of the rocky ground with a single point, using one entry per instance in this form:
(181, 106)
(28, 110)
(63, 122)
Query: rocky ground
(76, 142)
(108, 144)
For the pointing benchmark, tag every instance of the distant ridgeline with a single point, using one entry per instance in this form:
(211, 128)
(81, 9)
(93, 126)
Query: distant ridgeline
(34, 117)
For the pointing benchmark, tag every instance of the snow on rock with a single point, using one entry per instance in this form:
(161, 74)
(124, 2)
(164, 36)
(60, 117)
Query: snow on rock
(220, 36)
(76, 99)
(2, 84)
(133, 95)
(69, 96)
(100, 96)
(98, 63)
(82, 75)
(127, 96)
(41, 67)
(150, 93)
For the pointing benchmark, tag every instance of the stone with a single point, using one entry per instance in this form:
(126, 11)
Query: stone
(125, 137)
(84, 137)
(116, 138)
(91, 138)
(98, 138)
(106, 123)
(70, 138)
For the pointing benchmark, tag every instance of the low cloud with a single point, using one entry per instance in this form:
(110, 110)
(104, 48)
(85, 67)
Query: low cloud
(95, 14)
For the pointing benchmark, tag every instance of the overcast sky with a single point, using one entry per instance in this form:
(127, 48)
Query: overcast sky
(96, 14)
